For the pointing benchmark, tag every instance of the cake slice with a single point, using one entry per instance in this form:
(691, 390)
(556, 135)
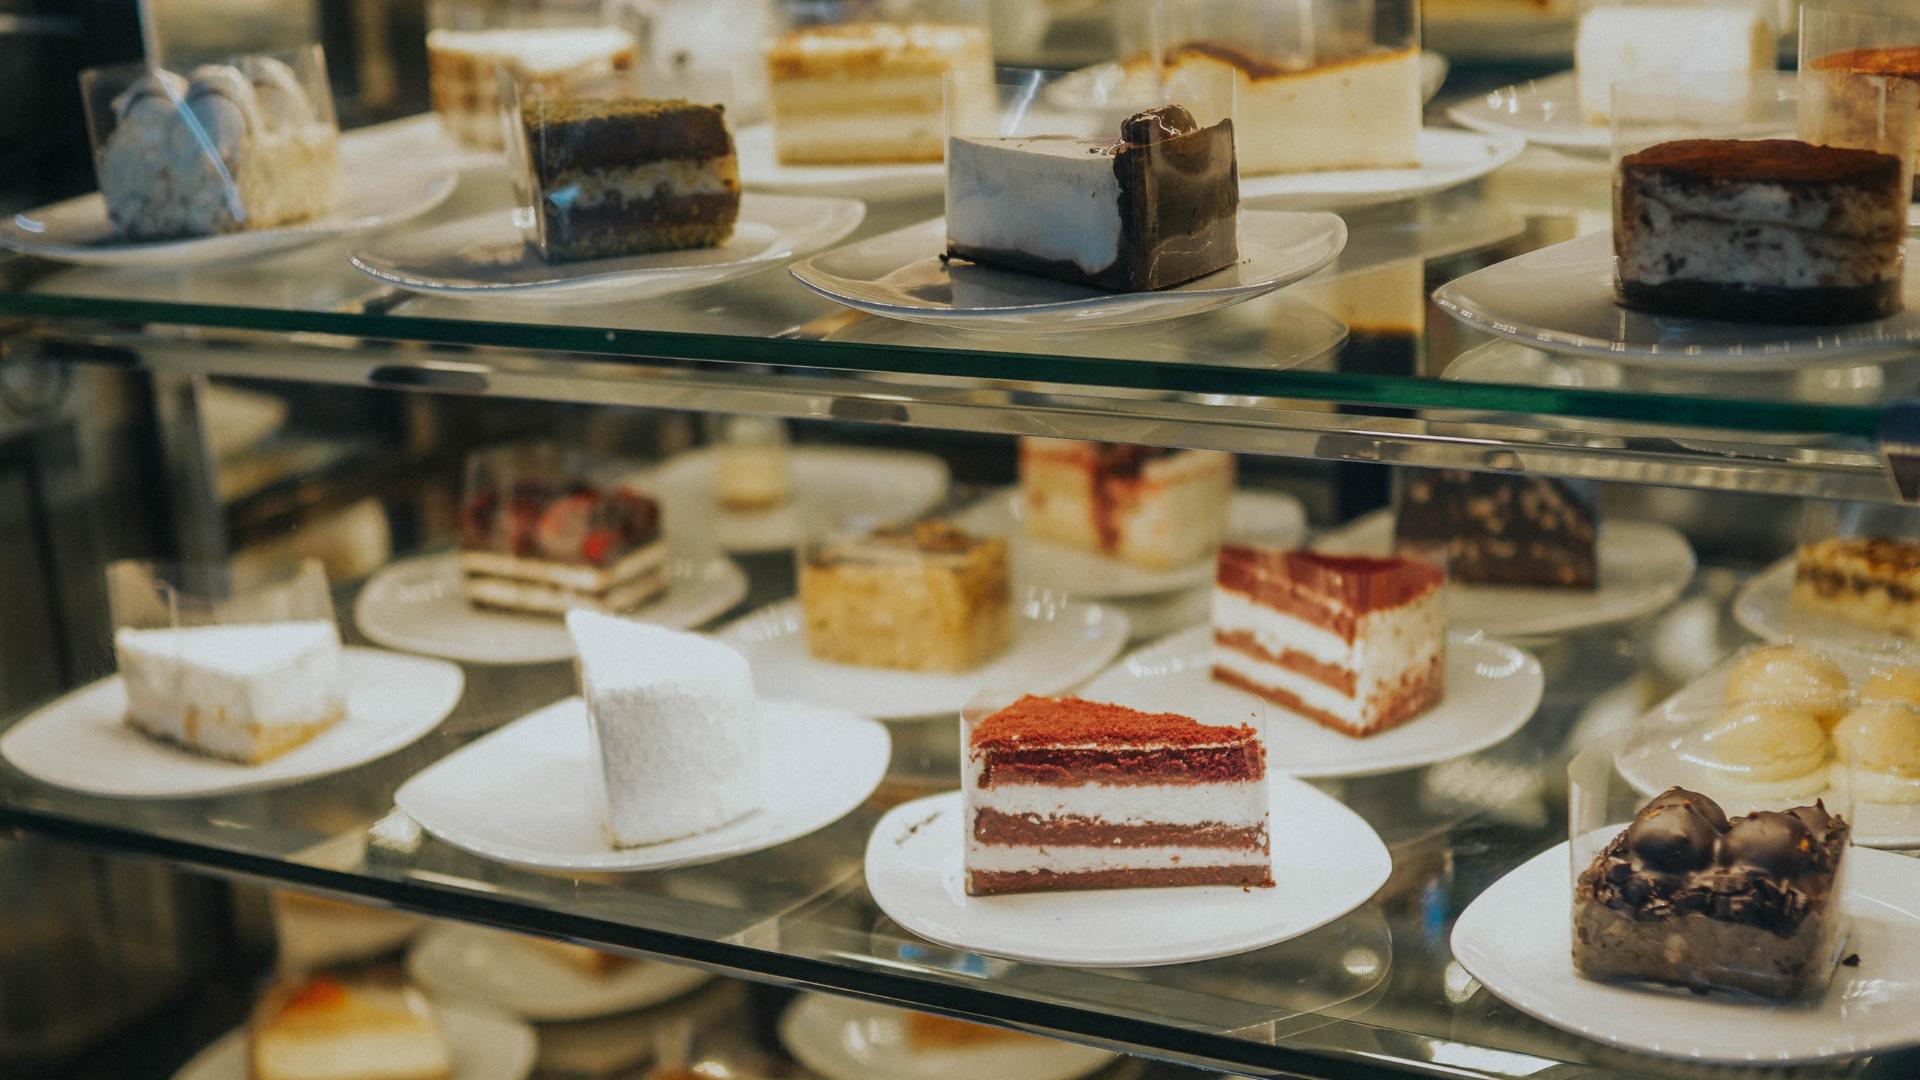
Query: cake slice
(627, 176)
(535, 543)
(1687, 897)
(463, 69)
(320, 1029)
(1645, 43)
(1155, 208)
(1771, 230)
(925, 597)
(1871, 581)
(1489, 529)
(1062, 793)
(1352, 643)
(244, 693)
(870, 92)
(677, 726)
(1146, 505)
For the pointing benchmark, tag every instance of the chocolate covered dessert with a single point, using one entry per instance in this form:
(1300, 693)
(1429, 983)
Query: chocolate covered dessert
(1488, 529)
(1688, 897)
(1155, 208)
(1771, 230)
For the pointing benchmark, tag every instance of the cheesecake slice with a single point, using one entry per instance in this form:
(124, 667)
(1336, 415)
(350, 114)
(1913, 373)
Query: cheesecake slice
(865, 92)
(244, 693)
(320, 1029)
(1771, 230)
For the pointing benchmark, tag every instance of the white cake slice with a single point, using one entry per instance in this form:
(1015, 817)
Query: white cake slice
(246, 693)
(677, 726)
(1646, 44)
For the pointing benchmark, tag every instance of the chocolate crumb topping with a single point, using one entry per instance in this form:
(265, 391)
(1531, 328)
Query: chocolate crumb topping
(1765, 161)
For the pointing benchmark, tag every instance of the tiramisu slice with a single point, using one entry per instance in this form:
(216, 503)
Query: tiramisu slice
(1353, 643)
(1760, 231)
(1489, 529)
(924, 597)
(1873, 581)
(1145, 505)
(535, 542)
(320, 1029)
(1062, 793)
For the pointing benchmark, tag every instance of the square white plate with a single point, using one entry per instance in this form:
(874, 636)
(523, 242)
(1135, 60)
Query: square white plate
(1492, 690)
(531, 793)
(1643, 566)
(485, 1045)
(901, 275)
(844, 1039)
(419, 605)
(1560, 298)
(82, 742)
(1331, 861)
(1056, 645)
(455, 962)
(1517, 939)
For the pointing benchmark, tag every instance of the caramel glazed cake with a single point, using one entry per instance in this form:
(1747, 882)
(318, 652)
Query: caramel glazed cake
(1061, 793)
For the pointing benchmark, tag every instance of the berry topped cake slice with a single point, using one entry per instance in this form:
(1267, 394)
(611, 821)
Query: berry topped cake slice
(542, 545)
(1062, 793)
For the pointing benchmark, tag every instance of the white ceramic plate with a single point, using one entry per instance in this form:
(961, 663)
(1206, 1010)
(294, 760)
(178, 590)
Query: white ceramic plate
(1056, 645)
(1448, 158)
(1764, 607)
(1643, 567)
(82, 742)
(1492, 690)
(486, 1046)
(419, 605)
(530, 793)
(1516, 938)
(1649, 761)
(454, 962)
(1547, 112)
(1263, 517)
(760, 168)
(484, 256)
(839, 483)
(1560, 299)
(1331, 862)
(899, 275)
(843, 1039)
(1095, 87)
(376, 192)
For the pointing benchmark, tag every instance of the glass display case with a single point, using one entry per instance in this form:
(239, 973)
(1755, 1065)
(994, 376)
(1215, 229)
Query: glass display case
(1275, 679)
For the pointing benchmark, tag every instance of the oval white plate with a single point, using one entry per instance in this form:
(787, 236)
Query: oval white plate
(375, 192)
(485, 256)
(761, 169)
(530, 793)
(1492, 690)
(1094, 88)
(1055, 646)
(899, 275)
(1517, 939)
(1764, 607)
(1649, 763)
(419, 605)
(1547, 112)
(839, 483)
(486, 1046)
(1263, 517)
(1448, 158)
(1643, 567)
(1560, 299)
(1332, 863)
(843, 1039)
(81, 742)
(454, 962)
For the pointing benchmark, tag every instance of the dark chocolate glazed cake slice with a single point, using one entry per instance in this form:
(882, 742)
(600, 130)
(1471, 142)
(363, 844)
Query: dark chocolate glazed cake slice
(1489, 529)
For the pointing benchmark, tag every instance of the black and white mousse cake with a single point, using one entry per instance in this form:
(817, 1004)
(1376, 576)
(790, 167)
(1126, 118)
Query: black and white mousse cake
(1153, 209)
(1769, 230)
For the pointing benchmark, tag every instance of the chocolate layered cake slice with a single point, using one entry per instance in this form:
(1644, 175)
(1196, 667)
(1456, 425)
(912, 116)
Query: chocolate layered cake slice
(1155, 208)
(1352, 643)
(1687, 897)
(1488, 529)
(1872, 581)
(1062, 793)
(1771, 230)
(628, 176)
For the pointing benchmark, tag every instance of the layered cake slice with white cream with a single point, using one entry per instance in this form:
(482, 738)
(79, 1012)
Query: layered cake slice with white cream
(1353, 643)
(677, 726)
(1063, 793)
(245, 693)
(534, 543)
(320, 1029)
(1146, 505)
(875, 91)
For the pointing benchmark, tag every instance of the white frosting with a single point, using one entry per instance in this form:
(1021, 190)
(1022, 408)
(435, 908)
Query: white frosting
(1745, 248)
(1055, 199)
(1311, 692)
(1015, 858)
(1240, 804)
(223, 689)
(551, 600)
(677, 725)
(1387, 646)
(1647, 43)
(640, 183)
(578, 577)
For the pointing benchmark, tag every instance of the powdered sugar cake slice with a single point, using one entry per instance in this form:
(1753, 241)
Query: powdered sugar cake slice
(1353, 643)
(1062, 793)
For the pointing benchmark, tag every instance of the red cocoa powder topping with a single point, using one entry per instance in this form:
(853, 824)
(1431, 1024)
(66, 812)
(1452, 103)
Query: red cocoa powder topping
(1359, 583)
(1043, 721)
(1777, 161)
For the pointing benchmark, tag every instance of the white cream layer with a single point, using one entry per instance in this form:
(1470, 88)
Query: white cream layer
(1055, 200)
(1385, 645)
(1242, 804)
(1311, 692)
(1356, 114)
(580, 577)
(1011, 858)
(642, 183)
(549, 600)
(1750, 252)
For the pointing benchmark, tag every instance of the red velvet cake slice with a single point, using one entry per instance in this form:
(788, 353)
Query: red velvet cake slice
(1354, 643)
(1062, 793)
